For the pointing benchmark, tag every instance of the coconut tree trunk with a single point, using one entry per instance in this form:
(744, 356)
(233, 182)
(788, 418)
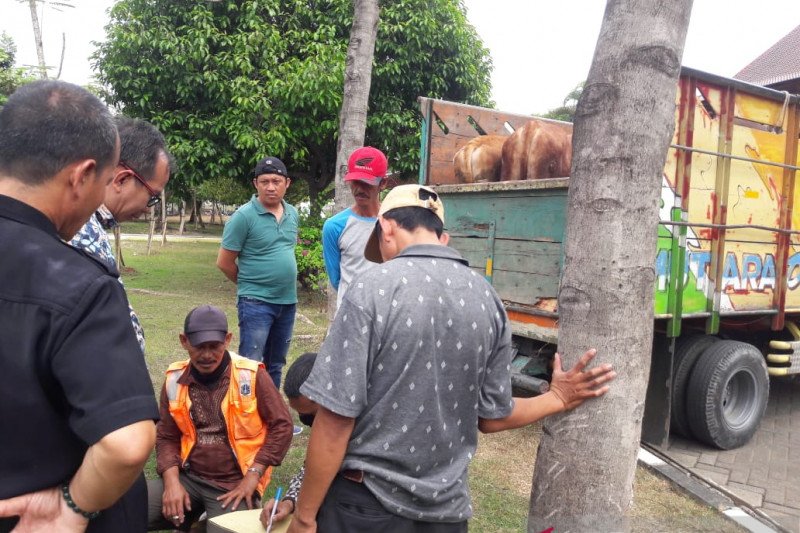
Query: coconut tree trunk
(355, 101)
(37, 36)
(583, 478)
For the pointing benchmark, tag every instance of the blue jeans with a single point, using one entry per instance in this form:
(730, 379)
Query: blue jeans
(265, 331)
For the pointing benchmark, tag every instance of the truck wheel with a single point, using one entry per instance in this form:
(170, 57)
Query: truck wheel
(687, 351)
(727, 394)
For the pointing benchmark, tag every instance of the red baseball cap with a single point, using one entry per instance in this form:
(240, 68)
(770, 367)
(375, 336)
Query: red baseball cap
(366, 164)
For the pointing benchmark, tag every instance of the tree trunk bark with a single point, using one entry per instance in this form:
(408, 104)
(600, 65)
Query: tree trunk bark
(118, 248)
(182, 217)
(355, 101)
(199, 219)
(151, 229)
(163, 218)
(583, 478)
(37, 36)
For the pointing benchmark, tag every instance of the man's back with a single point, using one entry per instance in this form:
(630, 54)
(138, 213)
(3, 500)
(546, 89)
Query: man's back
(426, 355)
(52, 354)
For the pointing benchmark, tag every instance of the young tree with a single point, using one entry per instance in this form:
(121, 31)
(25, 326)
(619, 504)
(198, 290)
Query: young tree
(583, 478)
(37, 32)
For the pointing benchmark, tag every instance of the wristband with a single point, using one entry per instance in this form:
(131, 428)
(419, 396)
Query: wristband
(290, 499)
(74, 506)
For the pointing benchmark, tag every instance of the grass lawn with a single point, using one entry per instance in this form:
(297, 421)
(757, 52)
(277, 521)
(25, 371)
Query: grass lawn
(164, 286)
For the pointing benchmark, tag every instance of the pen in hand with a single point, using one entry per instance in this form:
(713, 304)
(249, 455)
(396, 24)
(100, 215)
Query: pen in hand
(278, 494)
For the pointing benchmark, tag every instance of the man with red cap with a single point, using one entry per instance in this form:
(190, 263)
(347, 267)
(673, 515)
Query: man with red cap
(345, 234)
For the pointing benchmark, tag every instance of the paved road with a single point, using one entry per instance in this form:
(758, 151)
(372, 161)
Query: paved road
(765, 473)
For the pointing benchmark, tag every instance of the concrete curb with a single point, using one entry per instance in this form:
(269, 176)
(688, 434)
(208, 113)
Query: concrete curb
(707, 492)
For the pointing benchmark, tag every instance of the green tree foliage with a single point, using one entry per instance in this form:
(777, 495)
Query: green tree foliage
(223, 190)
(11, 77)
(566, 112)
(231, 81)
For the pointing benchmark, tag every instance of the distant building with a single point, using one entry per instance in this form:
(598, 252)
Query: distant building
(777, 68)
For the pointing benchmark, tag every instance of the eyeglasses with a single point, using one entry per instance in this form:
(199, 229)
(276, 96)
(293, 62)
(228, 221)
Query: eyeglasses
(155, 198)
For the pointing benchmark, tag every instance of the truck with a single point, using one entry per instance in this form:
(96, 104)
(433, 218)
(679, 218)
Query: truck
(727, 289)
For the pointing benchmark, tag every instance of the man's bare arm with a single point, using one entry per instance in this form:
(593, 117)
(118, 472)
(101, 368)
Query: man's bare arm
(109, 468)
(567, 391)
(226, 262)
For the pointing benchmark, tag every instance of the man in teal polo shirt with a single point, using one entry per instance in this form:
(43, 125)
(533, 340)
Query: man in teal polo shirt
(257, 254)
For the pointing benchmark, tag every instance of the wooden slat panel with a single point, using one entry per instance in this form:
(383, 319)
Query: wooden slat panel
(524, 289)
(524, 271)
(531, 215)
(491, 121)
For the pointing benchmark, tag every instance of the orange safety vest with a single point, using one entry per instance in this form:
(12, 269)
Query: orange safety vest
(246, 431)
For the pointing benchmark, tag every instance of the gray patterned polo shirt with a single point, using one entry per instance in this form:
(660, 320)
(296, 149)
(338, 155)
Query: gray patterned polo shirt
(419, 350)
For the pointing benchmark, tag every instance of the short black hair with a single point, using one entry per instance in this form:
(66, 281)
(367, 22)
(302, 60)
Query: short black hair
(298, 374)
(141, 144)
(411, 218)
(48, 124)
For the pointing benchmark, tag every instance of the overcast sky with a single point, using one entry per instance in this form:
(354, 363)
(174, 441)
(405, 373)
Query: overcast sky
(540, 49)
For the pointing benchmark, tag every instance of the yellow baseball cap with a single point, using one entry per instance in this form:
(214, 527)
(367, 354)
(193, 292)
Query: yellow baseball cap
(403, 196)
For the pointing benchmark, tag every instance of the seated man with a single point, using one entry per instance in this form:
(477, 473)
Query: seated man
(223, 426)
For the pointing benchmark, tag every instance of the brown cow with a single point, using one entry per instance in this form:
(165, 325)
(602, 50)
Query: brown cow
(479, 159)
(537, 150)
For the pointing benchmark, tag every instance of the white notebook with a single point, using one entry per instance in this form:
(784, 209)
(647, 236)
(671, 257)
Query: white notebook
(244, 522)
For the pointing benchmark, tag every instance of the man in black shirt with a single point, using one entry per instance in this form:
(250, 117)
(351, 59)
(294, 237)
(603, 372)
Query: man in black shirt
(76, 402)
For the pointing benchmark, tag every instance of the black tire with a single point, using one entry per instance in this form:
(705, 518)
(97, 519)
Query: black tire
(687, 351)
(727, 394)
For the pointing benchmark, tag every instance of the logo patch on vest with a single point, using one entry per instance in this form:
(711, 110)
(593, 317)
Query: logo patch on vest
(244, 389)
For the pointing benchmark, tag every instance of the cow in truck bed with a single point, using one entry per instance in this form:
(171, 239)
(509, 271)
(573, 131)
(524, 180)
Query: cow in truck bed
(537, 150)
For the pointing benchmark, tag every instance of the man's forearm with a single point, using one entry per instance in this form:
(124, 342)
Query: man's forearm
(526, 411)
(111, 465)
(231, 271)
(326, 449)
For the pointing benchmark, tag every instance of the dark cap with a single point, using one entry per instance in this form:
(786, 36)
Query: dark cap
(205, 324)
(270, 165)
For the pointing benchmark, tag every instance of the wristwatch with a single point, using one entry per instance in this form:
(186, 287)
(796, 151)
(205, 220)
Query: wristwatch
(257, 470)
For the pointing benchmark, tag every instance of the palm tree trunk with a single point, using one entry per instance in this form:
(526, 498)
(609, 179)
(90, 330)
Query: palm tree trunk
(37, 35)
(355, 101)
(585, 466)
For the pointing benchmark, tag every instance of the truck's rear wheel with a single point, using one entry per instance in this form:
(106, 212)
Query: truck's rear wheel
(727, 394)
(687, 351)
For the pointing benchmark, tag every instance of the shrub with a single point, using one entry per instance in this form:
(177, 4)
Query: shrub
(310, 264)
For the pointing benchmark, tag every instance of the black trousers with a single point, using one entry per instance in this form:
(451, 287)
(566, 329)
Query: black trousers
(349, 507)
